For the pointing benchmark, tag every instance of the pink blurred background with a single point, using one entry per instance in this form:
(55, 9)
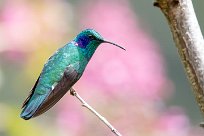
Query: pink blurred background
(129, 88)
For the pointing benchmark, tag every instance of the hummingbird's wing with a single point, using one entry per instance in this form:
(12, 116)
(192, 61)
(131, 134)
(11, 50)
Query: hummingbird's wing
(68, 80)
(37, 104)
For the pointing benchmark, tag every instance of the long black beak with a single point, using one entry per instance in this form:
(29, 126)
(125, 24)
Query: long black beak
(113, 44)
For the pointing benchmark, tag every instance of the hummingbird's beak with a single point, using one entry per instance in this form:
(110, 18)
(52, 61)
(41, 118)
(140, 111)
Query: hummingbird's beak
(113, 44)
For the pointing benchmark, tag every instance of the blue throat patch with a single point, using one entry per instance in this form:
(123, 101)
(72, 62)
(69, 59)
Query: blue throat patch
(83, 41)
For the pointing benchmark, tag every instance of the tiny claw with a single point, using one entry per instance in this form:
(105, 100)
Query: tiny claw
(72, 92)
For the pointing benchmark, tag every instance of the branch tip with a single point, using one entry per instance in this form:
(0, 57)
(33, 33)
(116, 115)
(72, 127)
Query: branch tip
(156, 4)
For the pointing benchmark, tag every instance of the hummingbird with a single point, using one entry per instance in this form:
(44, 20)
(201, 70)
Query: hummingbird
(61, 71)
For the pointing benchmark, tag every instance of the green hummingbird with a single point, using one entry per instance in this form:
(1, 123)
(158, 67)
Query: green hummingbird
(62, 70)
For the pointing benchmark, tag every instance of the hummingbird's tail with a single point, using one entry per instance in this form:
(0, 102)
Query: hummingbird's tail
(38, 103)
(30, 109)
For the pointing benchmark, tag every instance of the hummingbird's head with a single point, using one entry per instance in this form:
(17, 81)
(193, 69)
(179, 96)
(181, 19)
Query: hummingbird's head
(88, 40)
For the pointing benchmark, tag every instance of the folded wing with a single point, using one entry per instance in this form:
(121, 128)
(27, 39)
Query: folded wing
(36, 104)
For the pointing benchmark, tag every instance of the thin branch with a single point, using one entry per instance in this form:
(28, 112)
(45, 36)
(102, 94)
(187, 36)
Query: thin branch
(86, 105)
(189, 41)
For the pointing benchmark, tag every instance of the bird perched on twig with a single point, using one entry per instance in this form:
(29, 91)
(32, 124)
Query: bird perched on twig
(62, 70)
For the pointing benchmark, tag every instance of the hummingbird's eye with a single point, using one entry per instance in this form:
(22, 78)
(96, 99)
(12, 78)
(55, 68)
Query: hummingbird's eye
(91, 37)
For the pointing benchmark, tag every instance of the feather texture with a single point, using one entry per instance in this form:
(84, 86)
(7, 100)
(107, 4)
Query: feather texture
(62, 70)
(69, 78)
(37, 104)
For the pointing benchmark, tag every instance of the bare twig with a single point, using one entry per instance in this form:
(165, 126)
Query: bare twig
(86, 105)
(189, 41)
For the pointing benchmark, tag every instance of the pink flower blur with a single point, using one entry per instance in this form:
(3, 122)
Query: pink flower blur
(28, 25)
(173, 122)
(138, 71)
(126, 86)
(17, 19)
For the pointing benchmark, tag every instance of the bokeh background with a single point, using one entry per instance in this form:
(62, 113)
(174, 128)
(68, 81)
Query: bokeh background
(142, 91)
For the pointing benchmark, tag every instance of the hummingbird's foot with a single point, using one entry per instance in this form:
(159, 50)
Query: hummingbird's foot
(72, 92)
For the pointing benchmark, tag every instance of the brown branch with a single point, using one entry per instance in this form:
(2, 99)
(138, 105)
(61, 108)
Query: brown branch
(86, 105)
(189, 41)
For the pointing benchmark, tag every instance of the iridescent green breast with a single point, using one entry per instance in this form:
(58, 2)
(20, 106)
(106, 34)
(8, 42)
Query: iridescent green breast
(53, 70)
